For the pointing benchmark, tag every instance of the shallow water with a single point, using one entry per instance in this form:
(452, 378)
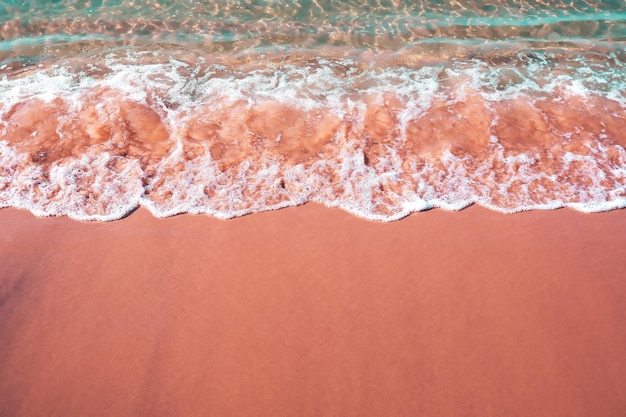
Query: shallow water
(381, 108)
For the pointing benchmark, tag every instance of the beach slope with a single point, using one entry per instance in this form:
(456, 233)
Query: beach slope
(309, 311)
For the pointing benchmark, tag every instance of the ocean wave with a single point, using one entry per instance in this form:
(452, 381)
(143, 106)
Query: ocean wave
(380, 135)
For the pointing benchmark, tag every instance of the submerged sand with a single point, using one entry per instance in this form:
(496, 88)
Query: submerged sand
(309, 311)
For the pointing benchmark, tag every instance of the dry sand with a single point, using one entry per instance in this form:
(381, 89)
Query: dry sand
(313, 312)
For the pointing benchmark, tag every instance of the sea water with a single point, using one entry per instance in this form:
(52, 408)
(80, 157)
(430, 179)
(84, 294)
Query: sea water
(379, 107)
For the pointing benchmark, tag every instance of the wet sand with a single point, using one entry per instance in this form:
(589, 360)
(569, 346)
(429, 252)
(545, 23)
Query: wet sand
(310, 311)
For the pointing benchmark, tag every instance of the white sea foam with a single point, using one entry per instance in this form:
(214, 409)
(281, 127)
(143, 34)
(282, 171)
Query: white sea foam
(98, 184)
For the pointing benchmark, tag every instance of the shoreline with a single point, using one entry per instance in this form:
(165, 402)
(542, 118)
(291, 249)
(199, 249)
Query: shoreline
(313, 311)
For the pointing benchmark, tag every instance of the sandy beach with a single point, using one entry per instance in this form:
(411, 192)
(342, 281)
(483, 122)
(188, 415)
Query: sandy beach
(310, 311)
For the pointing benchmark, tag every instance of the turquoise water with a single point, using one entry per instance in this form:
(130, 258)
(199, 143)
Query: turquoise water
(380, 107)
(241, 25)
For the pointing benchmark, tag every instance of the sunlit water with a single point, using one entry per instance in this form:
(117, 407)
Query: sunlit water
(381, 108)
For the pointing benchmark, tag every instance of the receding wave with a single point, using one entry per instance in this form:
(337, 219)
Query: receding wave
(94, 141)
(379, 108)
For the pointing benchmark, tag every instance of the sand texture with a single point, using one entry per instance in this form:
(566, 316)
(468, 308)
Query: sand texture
(309, 311)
